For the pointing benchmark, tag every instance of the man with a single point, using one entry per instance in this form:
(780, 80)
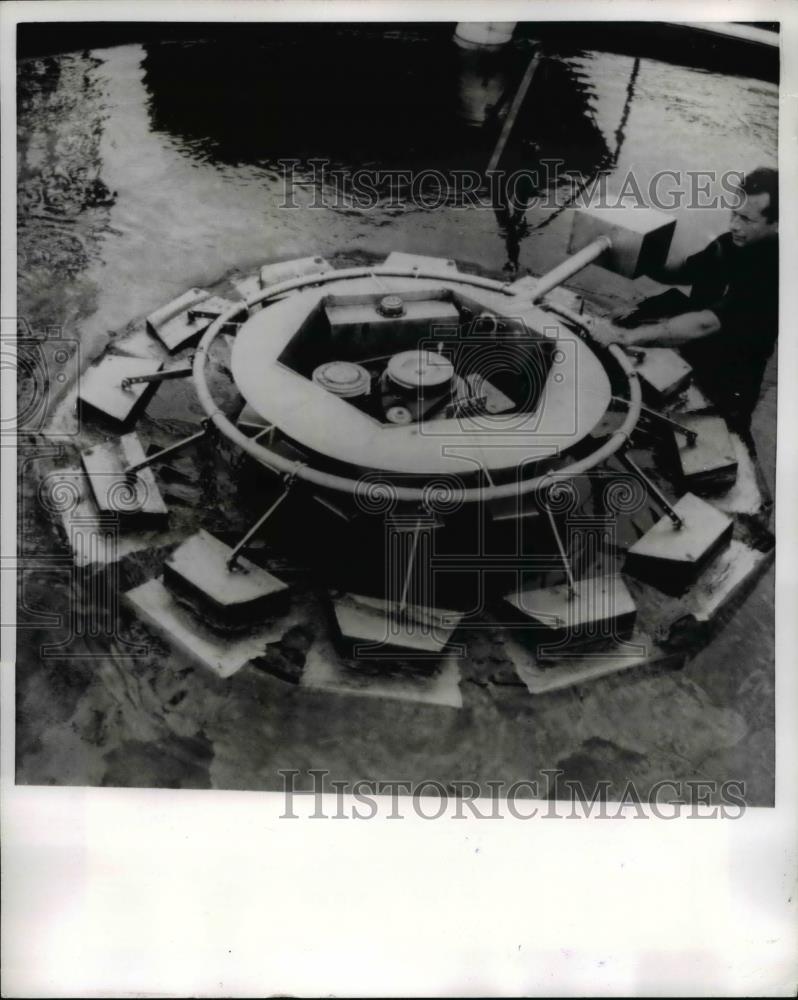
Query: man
(728, 327)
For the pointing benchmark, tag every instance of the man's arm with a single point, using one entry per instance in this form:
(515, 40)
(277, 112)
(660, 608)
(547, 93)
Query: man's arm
(667, 333)
(675, 273)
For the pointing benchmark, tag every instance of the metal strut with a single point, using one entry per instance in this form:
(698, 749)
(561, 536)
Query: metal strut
(163, 376)
(563, 555)
(242, 544)
(690, 435)
(410, 563)
(158, 455)
(655, 492)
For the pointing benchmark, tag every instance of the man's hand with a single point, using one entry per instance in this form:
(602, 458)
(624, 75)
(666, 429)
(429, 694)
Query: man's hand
(623, 313)
(606, 333)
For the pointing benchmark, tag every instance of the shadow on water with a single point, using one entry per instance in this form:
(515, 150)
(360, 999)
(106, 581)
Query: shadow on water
(360, 96)
(363, 97)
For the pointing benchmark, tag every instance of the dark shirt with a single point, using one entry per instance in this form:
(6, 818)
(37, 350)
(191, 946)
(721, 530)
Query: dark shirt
(740, 285)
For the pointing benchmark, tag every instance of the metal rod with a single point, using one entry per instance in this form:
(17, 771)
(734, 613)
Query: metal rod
(233, 558)
(410, 562)
(133, 469)
(573, 317)
(570, 266)
(690, 435)
(563, 556)
(157, 376)
(655, 492)
(512, 114)
(263, 431)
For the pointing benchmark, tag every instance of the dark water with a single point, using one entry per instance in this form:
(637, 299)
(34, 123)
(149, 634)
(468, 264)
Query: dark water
(188, 137)
(146, 169)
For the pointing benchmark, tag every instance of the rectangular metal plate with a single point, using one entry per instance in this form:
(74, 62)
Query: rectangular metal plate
(273, 274)
(541, 677)
(710, 465)
(186, 317)
(100, 392)
(222, 653)
(438, 265)
(663, 373)
(600, 602)
(671, 558)
(373, 628)
(135, 499)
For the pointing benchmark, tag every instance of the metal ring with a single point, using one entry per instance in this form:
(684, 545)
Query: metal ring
(355, 487)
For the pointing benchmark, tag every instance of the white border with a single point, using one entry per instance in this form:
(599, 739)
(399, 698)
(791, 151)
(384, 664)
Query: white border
(111, 892)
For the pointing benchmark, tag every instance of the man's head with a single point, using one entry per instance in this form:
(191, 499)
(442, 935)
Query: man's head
(757, 216)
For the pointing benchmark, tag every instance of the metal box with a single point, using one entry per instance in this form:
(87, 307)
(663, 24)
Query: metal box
(198, 571)
(360, 330)
(641, 237)
(100, 392)
(135, 499)
(671, 558)
(710, 465)
(662, 371)
(600, 610)
(186, 318)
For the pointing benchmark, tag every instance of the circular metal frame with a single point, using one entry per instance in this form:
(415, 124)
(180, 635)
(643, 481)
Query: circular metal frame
(366, 488)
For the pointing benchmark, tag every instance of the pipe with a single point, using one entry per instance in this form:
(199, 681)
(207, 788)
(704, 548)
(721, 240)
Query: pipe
(571, 266)
(512, 114)
(278, 463)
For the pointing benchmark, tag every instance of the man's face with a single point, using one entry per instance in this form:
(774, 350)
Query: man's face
(749, 223)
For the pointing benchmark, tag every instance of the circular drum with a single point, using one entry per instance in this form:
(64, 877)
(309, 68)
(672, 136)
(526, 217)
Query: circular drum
(419, 371)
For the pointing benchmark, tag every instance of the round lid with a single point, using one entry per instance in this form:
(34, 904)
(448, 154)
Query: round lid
(342, 378)
(391, 305)
(420, 369)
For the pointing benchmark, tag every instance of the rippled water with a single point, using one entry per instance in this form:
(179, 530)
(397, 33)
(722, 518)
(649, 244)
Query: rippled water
(187, 137)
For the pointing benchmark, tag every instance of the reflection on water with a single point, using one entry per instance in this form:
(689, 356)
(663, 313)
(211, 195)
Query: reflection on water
(363, 98)
(145, 169)
(354, 95)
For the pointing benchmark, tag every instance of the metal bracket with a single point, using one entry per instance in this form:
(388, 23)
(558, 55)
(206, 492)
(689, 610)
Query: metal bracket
(653, 490)
(162, 376)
